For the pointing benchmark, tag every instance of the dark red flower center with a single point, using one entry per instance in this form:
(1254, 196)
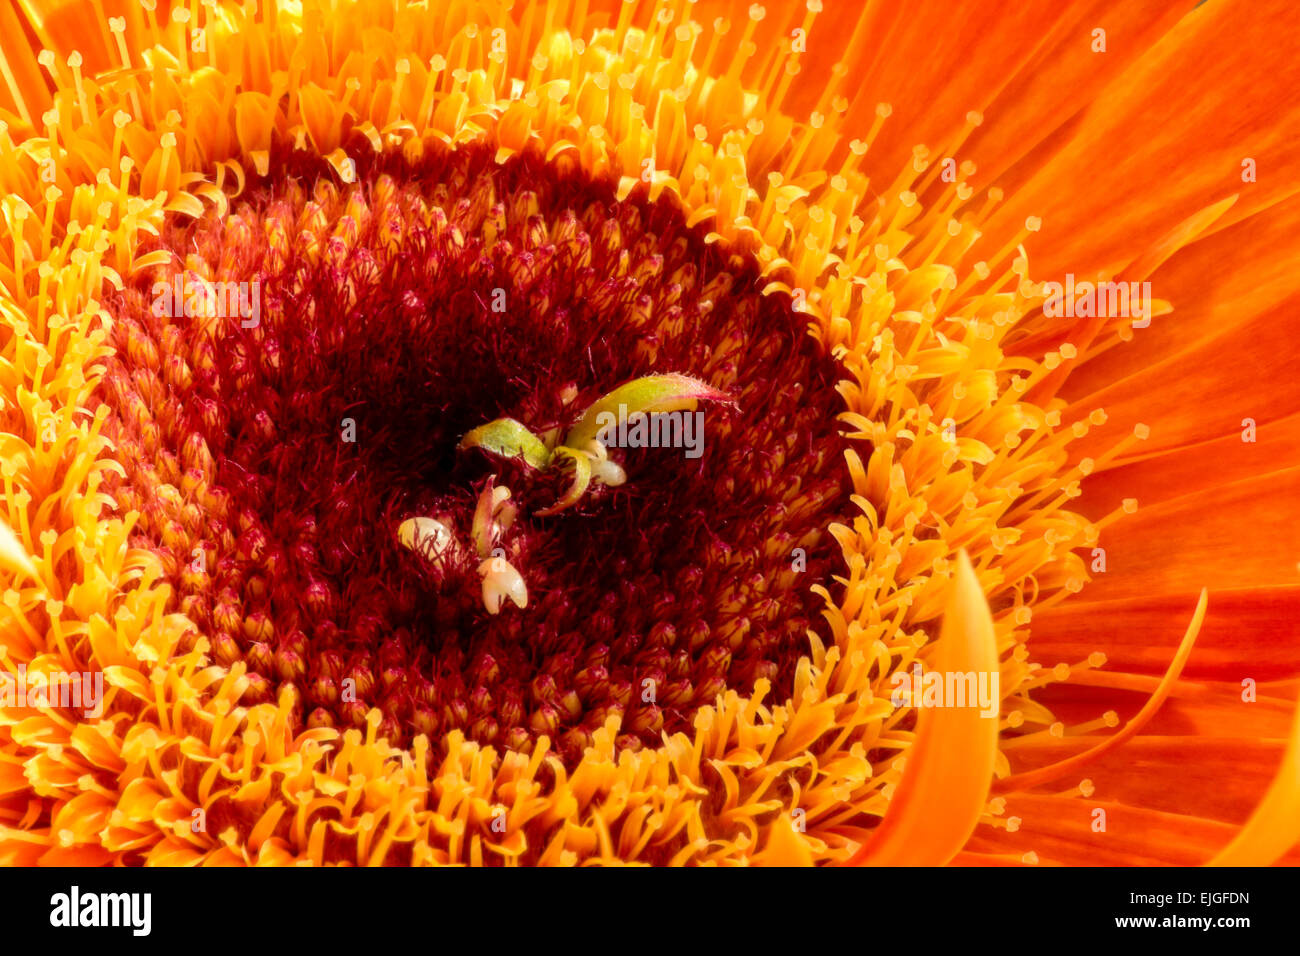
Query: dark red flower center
(273, 463)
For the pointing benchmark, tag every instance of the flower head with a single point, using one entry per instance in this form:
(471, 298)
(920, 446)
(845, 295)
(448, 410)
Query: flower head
(312, 313)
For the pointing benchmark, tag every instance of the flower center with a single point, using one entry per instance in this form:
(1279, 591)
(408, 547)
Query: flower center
(294, 383)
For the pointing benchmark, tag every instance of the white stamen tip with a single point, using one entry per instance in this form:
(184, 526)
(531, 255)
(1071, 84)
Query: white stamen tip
(426, 536)
(501, 581)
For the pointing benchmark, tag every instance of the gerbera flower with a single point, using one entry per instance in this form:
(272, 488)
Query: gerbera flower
(267, 265)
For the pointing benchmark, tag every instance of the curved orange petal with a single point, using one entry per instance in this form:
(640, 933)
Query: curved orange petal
(1274, 827)
(784, 846)
(1034, 778)
(940, 798)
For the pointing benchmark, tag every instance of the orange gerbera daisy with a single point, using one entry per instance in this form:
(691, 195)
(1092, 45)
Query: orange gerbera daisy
(312, 549)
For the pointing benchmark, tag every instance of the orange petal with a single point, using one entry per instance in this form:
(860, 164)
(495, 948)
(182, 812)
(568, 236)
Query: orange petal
(1205, 391)
(1164, 116)
(1172, 473)
(1027, 66)
(1219, 777)
(1043, 775)
(1060, 829)
(940, 798)
(784, 846)
(1236, 536)
(1274, 827)
(22, 88)
(1250, 634)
